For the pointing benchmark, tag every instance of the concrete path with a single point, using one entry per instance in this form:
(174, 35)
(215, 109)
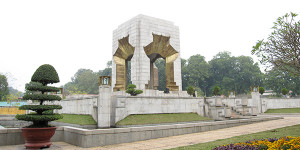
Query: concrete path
(181, 140)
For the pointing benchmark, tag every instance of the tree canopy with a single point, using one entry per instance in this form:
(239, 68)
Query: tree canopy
(282, 47)
(4, 91)
(86, 81)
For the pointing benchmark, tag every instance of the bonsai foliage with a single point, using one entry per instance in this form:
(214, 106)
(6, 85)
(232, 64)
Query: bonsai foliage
(37, 89)
(284, 91)
(132, 91)
(261, 90)
(216, 90)
(190, 90)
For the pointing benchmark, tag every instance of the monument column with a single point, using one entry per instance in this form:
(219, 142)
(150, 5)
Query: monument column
(104, 104)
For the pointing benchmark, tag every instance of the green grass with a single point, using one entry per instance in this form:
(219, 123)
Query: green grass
(293, 131)
(284, 110)
(78, 119)
(160, 118)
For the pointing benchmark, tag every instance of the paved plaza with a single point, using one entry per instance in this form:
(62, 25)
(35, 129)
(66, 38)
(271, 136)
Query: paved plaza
(182, 140)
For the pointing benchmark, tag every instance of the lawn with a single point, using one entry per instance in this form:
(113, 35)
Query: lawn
(284, 110)
(160, 118)
(293, 131)
(78, 119)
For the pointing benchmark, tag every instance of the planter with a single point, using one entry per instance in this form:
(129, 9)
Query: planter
(36, 138)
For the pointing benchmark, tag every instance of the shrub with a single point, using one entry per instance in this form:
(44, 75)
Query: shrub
(216, 90)
(132, 91)
(190, 90)
(261, 90)
(37, 89)
(284, 91)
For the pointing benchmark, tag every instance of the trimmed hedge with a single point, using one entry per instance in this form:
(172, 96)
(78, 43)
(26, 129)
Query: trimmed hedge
(40, 107)
(42, 88)
(36, 117)
(45, 74)
(41, 97)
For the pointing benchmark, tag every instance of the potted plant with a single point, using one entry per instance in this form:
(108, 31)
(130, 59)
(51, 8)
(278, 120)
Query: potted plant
(216, 90)
(38, 134)
(132, 91)
(191, 90)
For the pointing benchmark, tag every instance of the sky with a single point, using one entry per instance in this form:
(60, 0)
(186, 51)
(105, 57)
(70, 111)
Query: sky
(73, 34)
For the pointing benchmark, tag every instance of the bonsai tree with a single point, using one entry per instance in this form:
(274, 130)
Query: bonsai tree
(261, 90)
(216, 90)
(38, 90)
(132, 91)
(284, 91)
(190, 90)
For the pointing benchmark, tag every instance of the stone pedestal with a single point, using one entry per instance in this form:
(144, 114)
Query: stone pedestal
(256, 101)
(104, 106)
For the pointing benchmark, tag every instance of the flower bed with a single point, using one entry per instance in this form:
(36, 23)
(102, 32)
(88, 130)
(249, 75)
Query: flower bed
(284, 143)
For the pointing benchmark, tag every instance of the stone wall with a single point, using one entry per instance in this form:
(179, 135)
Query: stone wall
(127, 105)
(279, 103)
(77, 105)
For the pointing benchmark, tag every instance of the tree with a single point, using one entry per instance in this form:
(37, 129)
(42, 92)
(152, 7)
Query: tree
(216, 90)
(197, 72)
(284, 91)
(190, 90)
(261, 90)
(234, 73)
(86, 81)
(44, 75)
(4, 91)
(276, 79)
(281, 49)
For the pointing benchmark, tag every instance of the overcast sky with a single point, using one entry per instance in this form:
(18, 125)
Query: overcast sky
(72, 34)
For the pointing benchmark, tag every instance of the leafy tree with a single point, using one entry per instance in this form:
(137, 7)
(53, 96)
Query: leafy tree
(44, 75)
(284, 91)
(234, 73)
(197, 72)
(281, 49)
(261, 90)
(4, 91)
(276, 79)
(15, 92)
(132, 91)
(184, 73)
(190, 90)
(216, 90)
(86, 81)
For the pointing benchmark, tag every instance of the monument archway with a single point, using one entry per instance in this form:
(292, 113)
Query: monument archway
(121, 57)
(161, 48)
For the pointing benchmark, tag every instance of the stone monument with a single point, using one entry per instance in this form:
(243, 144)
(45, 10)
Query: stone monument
(141, 41)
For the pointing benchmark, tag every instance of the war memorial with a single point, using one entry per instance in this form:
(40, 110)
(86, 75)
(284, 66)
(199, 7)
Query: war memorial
(141, 41)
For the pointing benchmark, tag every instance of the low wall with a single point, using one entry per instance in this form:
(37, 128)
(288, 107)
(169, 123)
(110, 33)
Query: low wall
(77, 105)
(100, 137)
(127, 105)
(279, 103)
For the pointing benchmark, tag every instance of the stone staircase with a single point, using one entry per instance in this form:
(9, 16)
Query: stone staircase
(219, 110)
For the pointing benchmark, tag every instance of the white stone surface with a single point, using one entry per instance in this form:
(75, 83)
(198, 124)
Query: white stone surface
(140, 29)
(76, 106)
(150, 105)
(104, 106)
(279, 103)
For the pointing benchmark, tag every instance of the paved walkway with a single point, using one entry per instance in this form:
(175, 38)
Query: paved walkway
(181, 140)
